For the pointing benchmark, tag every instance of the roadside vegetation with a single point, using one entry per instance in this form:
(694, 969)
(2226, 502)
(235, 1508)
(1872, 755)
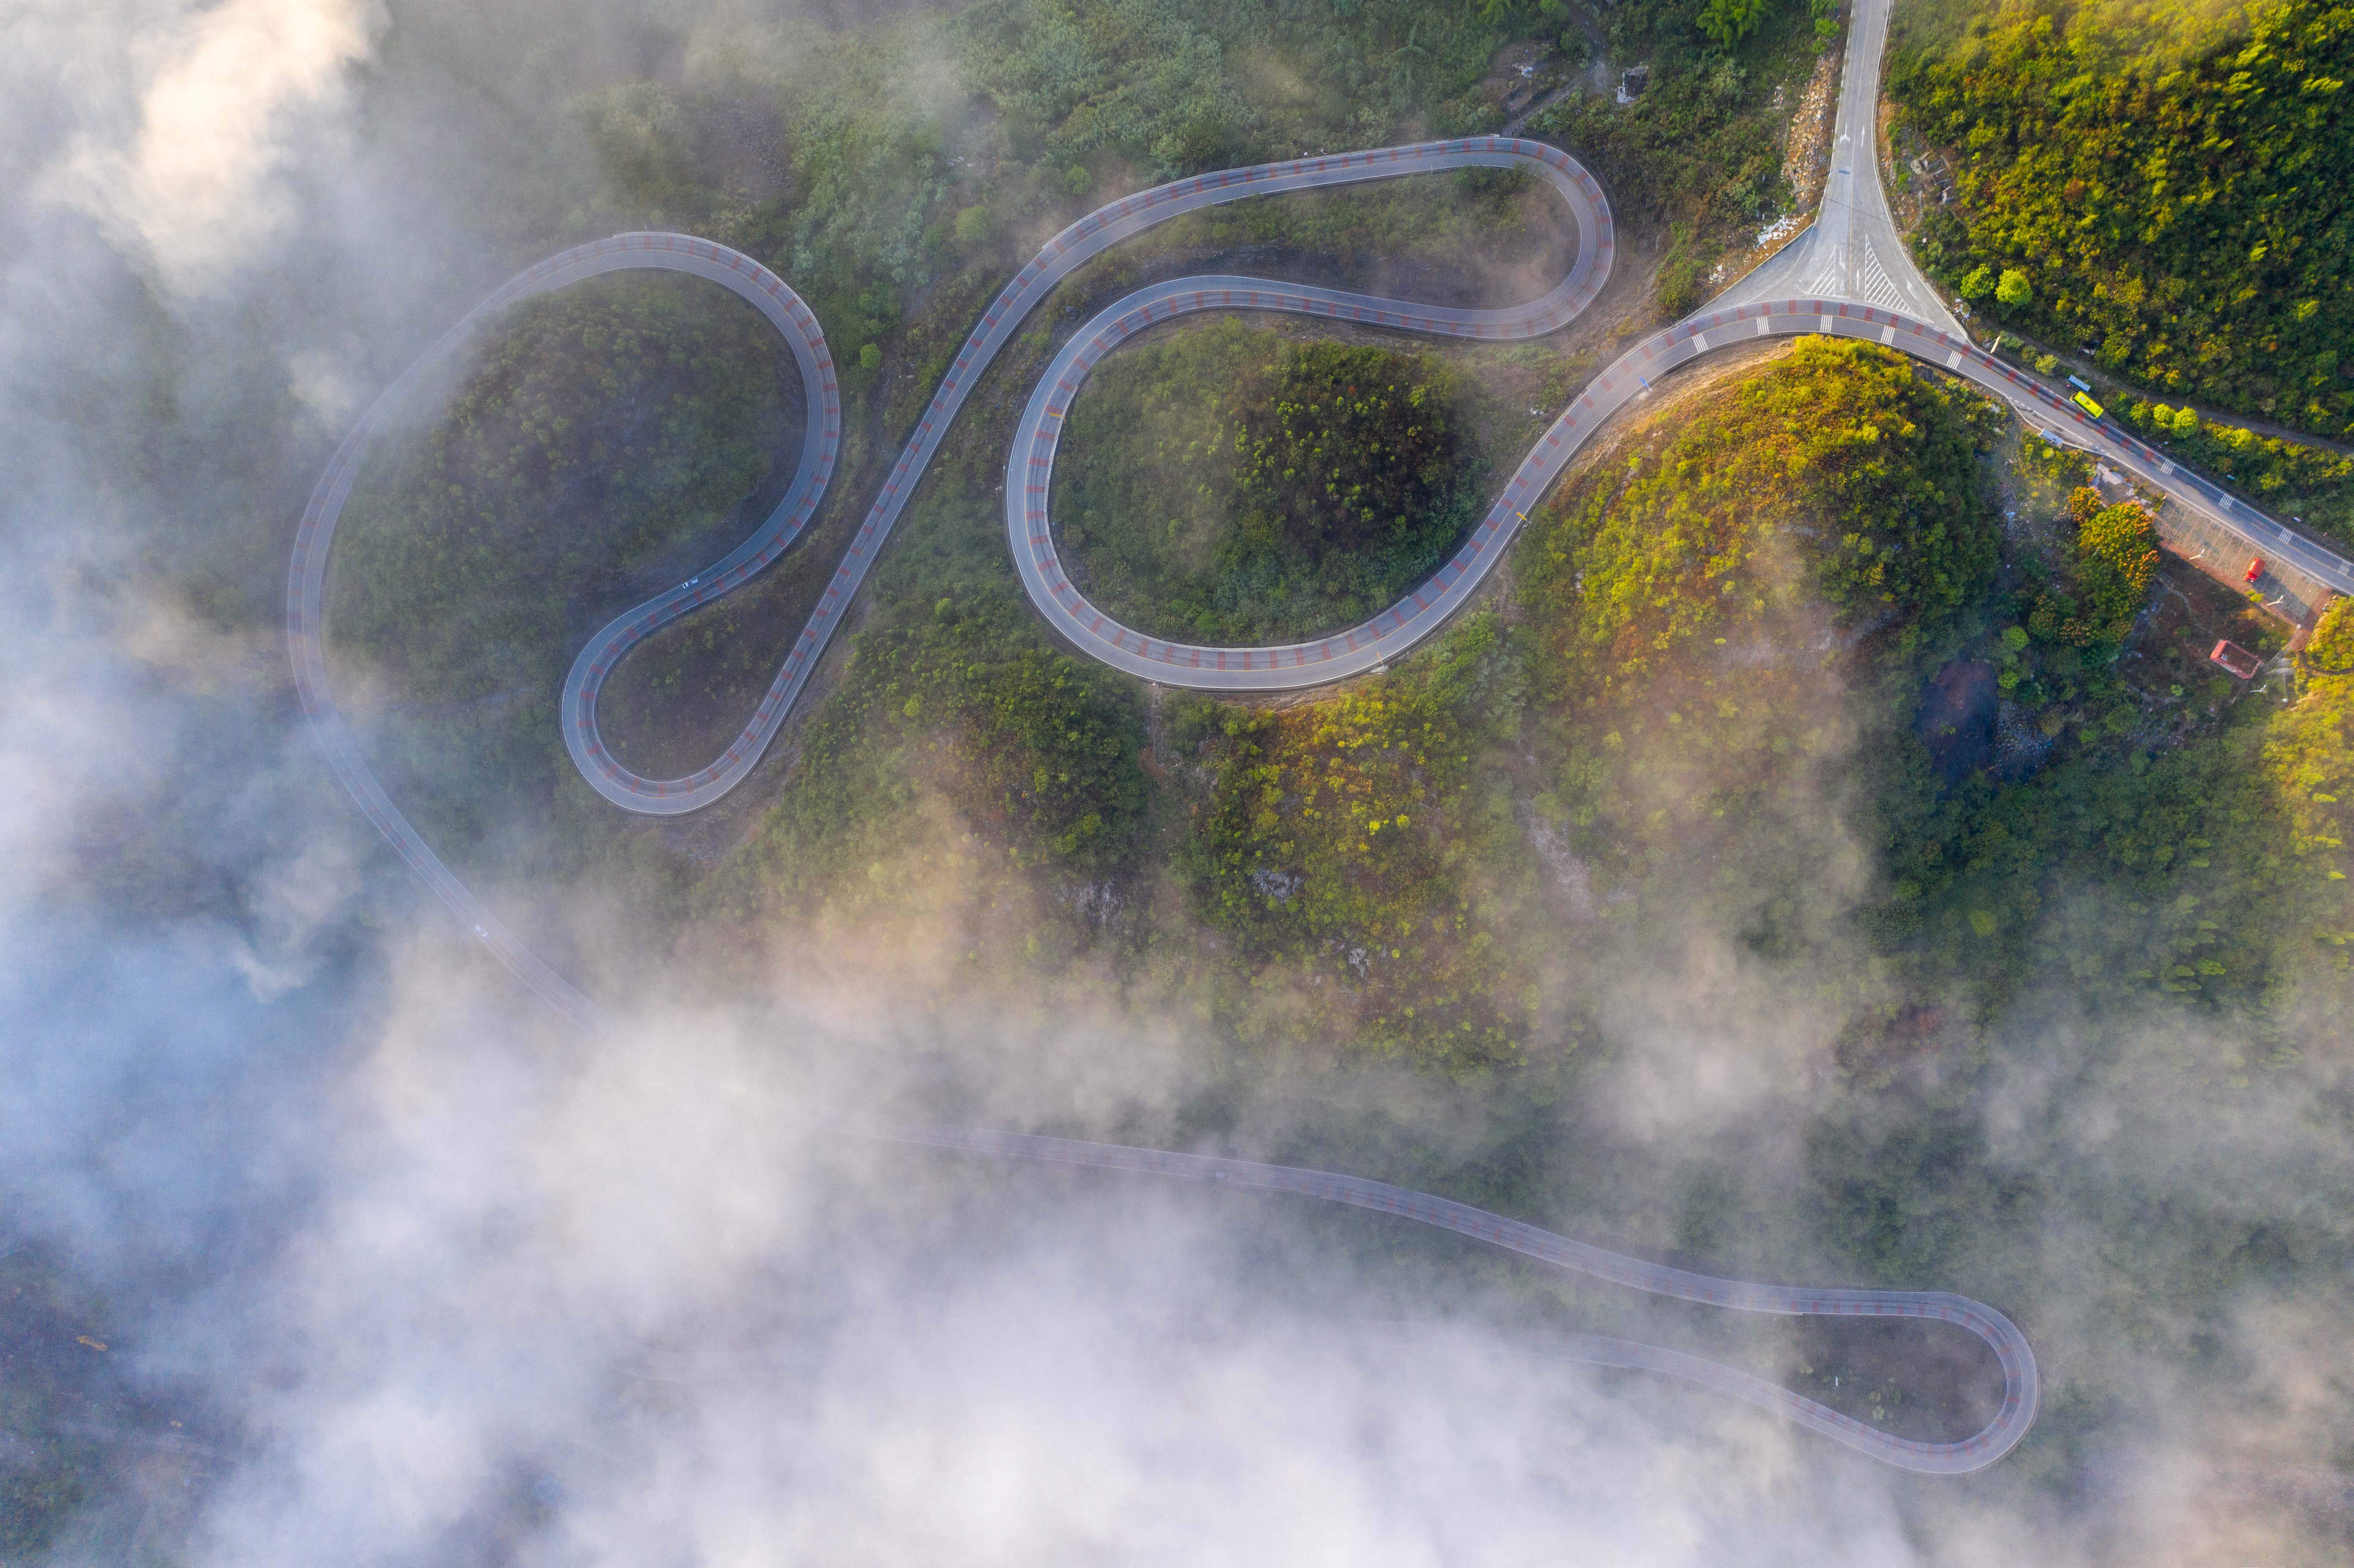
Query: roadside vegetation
(2331, 650)
(1631, 719)
(2314, 485)
(1475, 237)
(2162, 184)
(1771, 706)
(1340, 849)
(1700, 151)
(1704, 683)
(1837, 476)
(957, 705)
(594, 433)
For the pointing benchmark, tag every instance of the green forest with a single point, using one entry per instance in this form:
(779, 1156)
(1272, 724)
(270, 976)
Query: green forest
(2162, 185)
(1823, 848)
(600, 444)
(1387, 863)
(2313, 485)
(1699, 714)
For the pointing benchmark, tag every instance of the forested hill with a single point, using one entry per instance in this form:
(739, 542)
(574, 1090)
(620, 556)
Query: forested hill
(2169, 180)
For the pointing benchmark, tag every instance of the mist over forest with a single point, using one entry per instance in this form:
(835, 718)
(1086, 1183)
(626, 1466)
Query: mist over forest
(1656, 901)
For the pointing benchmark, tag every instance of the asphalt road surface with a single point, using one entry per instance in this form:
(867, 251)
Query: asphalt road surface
(2020, 1386)
(1851, 251)
(1847, 276)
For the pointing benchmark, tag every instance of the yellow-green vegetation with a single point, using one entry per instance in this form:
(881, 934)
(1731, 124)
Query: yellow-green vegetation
(1703, 771)
(1686, 597)
(956, 701)
(1332, 849)
(2314, 484)
(2331, 650)
(2049, 472)
(1692, 709)
(2308, 763)
(1233, 484)
(2115, 560)
(2165, 183)
(1622, 853)
(2212, 870)
(1835, 473)
(1373, 851)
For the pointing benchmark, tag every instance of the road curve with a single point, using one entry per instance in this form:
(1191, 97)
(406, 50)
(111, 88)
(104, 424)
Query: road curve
(1630, 379)
(1398, 629)
(2022, 1389)
(1075, 246)
(1853, 251)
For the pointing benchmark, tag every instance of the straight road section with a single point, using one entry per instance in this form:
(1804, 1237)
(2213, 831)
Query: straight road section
(1851, 251)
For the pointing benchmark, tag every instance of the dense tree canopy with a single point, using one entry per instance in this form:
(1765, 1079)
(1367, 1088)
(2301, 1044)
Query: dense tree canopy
(1838, 447)
(2167, 184)
(2331, 650)
(2108, 578)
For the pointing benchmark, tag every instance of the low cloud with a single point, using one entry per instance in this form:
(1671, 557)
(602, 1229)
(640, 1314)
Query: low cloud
(226, 103)
(447, 1282)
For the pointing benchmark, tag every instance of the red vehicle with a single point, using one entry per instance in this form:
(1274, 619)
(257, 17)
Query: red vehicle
(2255, 570)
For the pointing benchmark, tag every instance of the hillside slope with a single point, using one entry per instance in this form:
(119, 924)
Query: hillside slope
(2165, 183)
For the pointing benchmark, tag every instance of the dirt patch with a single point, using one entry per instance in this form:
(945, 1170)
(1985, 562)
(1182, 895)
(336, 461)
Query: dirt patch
(1806, 145)
(1517, 75)
(1527, 78)
(1916, 176)
(1956, 722)
(2166, 665)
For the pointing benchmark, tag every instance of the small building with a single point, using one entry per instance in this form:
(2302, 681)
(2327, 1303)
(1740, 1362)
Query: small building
(1631, 85)
(2237, 659)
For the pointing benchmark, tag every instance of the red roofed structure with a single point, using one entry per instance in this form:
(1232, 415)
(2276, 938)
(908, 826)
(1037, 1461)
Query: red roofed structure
(2237, 659)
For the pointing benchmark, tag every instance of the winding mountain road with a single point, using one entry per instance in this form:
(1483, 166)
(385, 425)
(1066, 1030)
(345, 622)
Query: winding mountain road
(2020, 1386)
(1028, 475)
(1848, 277)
